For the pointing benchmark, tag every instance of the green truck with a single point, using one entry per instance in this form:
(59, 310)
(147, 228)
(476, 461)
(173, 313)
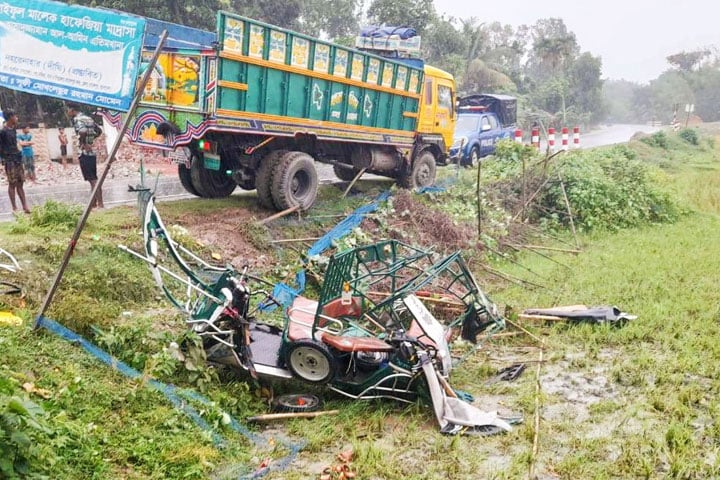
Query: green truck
(256, 106)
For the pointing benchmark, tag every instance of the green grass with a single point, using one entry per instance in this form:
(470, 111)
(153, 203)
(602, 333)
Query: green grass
(633, 402)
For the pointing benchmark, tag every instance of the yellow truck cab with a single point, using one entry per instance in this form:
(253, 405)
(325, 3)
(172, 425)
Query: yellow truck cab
(437, 105)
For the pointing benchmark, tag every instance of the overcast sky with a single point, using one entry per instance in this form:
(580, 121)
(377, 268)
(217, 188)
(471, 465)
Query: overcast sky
(633, 37)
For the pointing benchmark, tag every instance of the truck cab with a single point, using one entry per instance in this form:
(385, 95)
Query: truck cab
(482, 121)
(437, 106)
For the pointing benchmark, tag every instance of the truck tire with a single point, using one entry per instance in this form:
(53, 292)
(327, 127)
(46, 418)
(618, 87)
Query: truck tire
(295, 181)
(208, 183)
(345, 174)
(263, 178)
(421, 174)
(186, 180)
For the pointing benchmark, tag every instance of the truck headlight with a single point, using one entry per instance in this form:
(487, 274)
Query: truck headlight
(459, 141)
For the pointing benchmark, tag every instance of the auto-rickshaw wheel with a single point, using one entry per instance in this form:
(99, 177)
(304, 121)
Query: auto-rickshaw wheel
(300, 402)
(311, 361)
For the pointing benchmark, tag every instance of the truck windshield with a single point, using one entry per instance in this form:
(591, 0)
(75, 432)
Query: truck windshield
(467, 123)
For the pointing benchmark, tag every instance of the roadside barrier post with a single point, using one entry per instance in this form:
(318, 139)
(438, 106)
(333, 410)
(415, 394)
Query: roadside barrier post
(576, 137)
(535, 137)
(551, 139)
(518, 135)
(565, 138)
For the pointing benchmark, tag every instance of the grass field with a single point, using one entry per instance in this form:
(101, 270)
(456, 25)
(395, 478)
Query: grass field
(638, 401)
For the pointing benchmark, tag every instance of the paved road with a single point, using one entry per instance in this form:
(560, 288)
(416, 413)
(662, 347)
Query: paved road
(115, 192)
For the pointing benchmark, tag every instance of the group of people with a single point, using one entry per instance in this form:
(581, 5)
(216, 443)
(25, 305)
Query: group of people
(18, 157)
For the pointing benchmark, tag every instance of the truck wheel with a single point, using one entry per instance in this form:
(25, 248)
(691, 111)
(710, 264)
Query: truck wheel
(422, 173)
(185, 180)
(263, 178)
(344, 174)
(295, 181)
(208, 183)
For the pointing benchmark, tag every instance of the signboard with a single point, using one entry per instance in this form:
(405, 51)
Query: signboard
(70, 52)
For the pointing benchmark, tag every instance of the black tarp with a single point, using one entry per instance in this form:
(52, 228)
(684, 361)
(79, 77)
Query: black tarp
(504, 106)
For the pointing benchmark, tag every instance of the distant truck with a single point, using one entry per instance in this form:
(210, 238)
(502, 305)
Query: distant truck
(483, 120)
(256, 105)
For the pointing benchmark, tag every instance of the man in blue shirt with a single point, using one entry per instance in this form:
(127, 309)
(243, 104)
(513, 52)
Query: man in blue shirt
(28, 156)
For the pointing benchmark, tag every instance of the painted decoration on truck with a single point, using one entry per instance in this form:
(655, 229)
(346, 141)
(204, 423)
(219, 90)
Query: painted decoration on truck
(387, 76)
(401, 78)
(210, 87)
(414, 81)
(300, 52)
(278, 47)
(233, 35)
(367, 106)
(358, 62)
(70, 52)
(341, 63)
(317, 97)
(256, 46)
(321, 61)
(373, 70)
(174, 80)
(353, 103)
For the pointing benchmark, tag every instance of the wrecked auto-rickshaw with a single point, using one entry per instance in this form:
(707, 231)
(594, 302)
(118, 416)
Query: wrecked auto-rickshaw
(369, 335)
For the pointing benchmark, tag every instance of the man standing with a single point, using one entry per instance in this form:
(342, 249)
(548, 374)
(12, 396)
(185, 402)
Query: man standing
(28, 155)
(12, 158)
(62, 138)
(87, 131)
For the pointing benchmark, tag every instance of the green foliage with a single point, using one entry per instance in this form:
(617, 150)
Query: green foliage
(607, 189)
(21, 421)
(512, 151)
(160, 354)
(52, 216)
(690, 136)
(658, 139)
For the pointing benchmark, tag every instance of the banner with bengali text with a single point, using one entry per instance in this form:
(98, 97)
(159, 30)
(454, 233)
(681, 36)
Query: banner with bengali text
(75, 53)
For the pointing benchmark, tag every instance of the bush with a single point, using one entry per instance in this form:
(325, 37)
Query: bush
(657, 139)
(690, 136)
(50, 216)
(607, 190)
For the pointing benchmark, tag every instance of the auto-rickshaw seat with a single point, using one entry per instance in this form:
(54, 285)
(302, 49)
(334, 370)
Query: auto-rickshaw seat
(301, 315)
(356, 344)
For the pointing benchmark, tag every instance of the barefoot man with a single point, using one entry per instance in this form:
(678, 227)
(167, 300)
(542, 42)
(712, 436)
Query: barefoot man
(12, 159)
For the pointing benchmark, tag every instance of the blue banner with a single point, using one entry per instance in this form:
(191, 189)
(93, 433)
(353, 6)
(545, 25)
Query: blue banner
(75, 53)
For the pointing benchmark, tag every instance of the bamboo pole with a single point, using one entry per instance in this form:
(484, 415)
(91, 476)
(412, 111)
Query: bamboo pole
(569, 210)
(536, 433)
(479, 199)
(551, 249)
(357, 177)
(283, 416)
(277, 215)
(111, 158)
(510, 278)
(292, 240)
